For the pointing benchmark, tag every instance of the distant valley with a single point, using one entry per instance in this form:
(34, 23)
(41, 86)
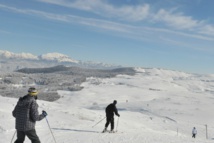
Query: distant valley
(19, 72)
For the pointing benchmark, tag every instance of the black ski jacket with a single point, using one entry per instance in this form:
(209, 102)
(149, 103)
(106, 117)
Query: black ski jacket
(110, 110)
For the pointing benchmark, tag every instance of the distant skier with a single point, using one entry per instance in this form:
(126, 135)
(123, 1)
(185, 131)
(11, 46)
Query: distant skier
(26, 114)
(110, 110)
(194, 132)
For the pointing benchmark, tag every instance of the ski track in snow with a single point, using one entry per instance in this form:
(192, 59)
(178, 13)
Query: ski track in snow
(156, 106)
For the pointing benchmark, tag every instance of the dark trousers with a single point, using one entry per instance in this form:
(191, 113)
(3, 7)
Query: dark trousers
(30, 134)
(193, 135)
(110, 120)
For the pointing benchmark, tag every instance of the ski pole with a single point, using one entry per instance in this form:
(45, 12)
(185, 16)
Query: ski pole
(50, 129)
(13, 137)
(98, 122)
(117, 122)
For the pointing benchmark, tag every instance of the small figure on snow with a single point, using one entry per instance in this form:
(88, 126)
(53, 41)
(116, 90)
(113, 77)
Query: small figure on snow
(26, 114)
(111, 109)
(194, 132)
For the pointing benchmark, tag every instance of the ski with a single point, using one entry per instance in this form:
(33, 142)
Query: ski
(107, 131)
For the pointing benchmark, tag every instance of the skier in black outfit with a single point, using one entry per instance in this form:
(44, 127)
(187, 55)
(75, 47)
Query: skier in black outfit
(110, 110)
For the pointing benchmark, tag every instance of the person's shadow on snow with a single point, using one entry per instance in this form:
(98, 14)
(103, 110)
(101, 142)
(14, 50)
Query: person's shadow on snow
(75, 130)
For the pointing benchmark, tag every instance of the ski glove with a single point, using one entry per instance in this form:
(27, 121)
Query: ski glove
(44, 113)
(118, 115)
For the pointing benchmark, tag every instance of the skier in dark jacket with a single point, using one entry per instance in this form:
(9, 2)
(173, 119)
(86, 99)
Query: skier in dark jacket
(194, 132)
(26, 114)
(111, 109)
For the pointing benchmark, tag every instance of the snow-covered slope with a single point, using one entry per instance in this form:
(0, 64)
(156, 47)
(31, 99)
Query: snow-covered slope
(156, 106)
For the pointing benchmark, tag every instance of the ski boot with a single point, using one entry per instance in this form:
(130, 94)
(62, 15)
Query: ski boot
(112, 131)
(105, 130)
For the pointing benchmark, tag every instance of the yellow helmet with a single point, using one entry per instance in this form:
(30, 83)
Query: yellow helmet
(32, 91)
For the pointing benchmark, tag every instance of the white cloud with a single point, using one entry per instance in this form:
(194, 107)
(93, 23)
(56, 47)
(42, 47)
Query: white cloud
(177, 20)
(137, 13)
(207, 29)
(183, 23)
(129, 13)
(140, 13)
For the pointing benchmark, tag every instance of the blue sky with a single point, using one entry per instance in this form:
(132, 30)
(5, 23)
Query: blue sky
(170, 34)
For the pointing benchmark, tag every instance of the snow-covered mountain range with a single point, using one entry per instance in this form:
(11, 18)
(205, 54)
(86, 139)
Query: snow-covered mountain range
(10, 61)
(10, 55)
(28, 56)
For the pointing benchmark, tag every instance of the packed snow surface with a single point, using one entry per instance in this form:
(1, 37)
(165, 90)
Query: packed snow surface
(156, 106)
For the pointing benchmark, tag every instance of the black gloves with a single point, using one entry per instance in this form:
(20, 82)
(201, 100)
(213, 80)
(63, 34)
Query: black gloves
(44, 113)
(118, 115)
